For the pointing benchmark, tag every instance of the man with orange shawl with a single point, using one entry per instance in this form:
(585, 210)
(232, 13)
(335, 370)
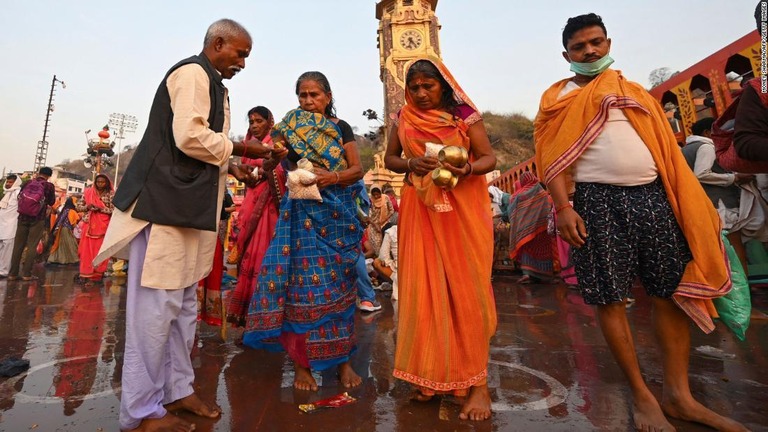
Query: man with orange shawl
(447, 313)
(644, 214)
(97, 206)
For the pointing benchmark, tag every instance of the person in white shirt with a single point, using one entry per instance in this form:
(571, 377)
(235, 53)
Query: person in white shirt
(734, 195)
(9, 218)
(386, 263)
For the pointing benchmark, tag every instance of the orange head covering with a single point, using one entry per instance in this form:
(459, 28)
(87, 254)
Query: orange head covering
(417, 127)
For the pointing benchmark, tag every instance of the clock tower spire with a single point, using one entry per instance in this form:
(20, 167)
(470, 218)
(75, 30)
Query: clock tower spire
(408, 29)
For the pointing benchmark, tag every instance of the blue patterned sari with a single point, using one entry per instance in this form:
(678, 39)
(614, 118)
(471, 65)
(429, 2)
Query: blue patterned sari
(304, 300)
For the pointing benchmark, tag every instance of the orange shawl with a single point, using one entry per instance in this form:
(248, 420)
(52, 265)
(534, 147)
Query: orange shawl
(565, 127)
(447, 313)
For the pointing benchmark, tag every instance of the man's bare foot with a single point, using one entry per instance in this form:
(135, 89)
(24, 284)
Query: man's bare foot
(648, 415)
(758, 315)
(692, 411)
(348, 376)
(303, 379)
(477, 407)
(168, 423)
(193, 404)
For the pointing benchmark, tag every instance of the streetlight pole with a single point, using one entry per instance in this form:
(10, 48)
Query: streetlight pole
(122, 123)
(42, 146)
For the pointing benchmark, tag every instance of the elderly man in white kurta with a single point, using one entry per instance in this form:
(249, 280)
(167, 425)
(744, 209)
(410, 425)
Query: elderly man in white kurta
(165, 222)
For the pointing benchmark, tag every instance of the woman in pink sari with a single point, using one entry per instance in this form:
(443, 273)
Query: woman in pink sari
(257, 216)
(530, 245)
(97, 207)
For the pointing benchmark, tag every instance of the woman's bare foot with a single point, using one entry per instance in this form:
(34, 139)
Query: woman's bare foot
(348, 376)
(167, 423)
(692, 411)
(477, 407)
(303, 379)
(418, 396)
(193, 404)
(524, 279)
(239, 340)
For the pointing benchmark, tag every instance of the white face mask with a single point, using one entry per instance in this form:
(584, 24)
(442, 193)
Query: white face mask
(592, 69)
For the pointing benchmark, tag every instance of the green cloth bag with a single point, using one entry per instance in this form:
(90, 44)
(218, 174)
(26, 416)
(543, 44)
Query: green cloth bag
(735, 307)
(757, 257)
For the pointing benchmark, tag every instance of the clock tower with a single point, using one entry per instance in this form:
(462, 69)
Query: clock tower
(408, 29)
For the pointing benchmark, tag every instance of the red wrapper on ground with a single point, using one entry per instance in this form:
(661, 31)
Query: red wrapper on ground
(331, 402)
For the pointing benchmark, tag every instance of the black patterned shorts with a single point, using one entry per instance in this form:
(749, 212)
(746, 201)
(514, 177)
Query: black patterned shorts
(632, 232)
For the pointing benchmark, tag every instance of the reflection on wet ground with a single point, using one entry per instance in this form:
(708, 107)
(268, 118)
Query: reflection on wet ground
(550, 369)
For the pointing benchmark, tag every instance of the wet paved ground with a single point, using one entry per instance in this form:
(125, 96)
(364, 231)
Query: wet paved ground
(550, 368)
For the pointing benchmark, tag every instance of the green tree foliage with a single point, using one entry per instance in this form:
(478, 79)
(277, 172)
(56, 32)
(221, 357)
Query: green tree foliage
(511, 137)
(366, 148)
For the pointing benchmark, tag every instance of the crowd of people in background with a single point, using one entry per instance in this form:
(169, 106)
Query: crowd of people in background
(40, 224)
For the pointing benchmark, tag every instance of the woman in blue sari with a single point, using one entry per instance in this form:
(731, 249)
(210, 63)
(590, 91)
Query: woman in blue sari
(304, 299)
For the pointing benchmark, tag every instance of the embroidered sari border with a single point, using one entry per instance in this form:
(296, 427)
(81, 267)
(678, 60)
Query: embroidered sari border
(439, 386)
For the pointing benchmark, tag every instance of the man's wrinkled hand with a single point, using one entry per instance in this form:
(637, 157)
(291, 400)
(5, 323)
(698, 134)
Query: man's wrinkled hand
(571, 227)
(740, 178)
(256, 150)
(243, 175)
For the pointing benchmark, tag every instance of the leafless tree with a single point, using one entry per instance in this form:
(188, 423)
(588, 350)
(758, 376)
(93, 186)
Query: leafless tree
(659, 75)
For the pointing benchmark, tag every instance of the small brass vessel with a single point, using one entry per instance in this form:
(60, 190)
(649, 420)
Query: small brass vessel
(304, 163)
(443, 178)
(453, 155)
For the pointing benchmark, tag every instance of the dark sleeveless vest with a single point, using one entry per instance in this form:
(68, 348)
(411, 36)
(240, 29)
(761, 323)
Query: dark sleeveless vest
(169, 187)
(731, 195)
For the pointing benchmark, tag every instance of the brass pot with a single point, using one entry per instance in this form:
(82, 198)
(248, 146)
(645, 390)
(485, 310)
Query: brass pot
(453, 155)
(443, 178)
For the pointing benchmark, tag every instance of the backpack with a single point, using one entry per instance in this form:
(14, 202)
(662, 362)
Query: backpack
(32, 198)
(722, 135)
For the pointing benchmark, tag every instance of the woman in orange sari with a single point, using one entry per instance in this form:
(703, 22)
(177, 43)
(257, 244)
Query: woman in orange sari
(97, 206)
(447, 313)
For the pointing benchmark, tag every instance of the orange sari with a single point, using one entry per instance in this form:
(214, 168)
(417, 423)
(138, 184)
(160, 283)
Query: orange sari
(565, 127)
(447, 313)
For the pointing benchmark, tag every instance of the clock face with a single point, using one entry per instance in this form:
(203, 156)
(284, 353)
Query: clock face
(410, 39)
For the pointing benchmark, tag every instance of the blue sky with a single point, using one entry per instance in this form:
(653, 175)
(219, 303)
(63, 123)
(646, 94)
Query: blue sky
(504, 53)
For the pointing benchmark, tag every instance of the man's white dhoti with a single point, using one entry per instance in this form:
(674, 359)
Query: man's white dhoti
(159, 335)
